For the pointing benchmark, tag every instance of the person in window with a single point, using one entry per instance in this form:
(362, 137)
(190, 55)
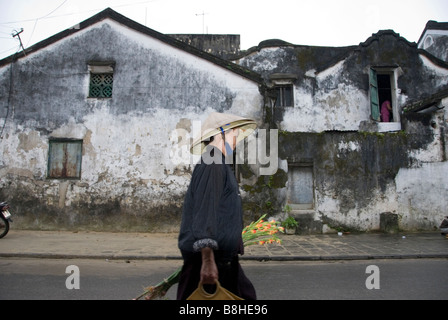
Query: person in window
(386, 111)
(210, 237)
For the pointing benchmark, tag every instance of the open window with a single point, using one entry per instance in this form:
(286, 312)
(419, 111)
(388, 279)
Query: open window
(383, 98)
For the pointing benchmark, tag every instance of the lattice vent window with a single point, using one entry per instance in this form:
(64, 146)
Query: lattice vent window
(101, 79)
(101, 85)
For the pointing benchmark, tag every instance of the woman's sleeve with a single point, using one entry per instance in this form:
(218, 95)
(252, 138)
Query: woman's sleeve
(207, 195)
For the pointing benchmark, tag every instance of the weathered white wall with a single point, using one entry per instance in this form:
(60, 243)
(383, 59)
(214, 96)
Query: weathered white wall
(435, 42)
(359, 176)
(342, 107)
(438, 73)
(135, 171)
(322, 102)
(422, 190)
(128, 178)
(422, 195)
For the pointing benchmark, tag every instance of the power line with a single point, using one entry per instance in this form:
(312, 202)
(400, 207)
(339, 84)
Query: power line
(17, 34)
(50, 16)
(74, 14)
(11, 49)
(43, 17)
(10, 92)
(34, 19)
(54, 9)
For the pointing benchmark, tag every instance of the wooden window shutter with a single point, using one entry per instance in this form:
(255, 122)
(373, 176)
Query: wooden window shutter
(64, 159)
(374, 99)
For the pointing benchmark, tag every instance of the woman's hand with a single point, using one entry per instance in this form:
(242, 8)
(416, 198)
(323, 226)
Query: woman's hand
(209, 270)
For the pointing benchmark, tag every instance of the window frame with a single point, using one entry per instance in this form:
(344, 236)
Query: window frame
(279, 81)
(63, 165)
(374, 97)
(302, 207)
(375, 103)
(103, 69)
(280, 90)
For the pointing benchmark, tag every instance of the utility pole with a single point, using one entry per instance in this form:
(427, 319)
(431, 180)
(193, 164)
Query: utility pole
(17, 34)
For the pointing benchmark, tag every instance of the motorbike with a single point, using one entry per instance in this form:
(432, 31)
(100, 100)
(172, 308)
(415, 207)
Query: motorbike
(5, 219)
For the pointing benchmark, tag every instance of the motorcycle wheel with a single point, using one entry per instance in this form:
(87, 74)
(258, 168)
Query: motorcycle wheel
(4, 226)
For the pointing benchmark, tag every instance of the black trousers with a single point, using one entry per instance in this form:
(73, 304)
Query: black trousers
(231, 276)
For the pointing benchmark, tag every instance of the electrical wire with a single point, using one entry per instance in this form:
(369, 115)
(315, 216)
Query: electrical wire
(74, 14)
(10, 24)
(35, 24)
(8, 106)
(10, 49)
(37, 20)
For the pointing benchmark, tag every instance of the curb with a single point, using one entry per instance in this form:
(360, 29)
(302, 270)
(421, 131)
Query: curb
(346, 258)
(243, 258)
(87, 257)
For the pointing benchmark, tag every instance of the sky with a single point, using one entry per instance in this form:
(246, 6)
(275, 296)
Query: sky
(304, 22)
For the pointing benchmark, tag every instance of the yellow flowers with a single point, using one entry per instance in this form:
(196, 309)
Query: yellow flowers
(262, 232)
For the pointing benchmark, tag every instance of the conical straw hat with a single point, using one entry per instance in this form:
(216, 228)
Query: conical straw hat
(213, 124)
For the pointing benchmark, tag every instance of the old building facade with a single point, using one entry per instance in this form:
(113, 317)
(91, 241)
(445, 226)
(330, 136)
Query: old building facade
(97, 122)
(434, 39)
(89, 120)
(342, 165)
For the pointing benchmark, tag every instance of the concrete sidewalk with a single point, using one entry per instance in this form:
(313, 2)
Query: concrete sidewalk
(150, 246)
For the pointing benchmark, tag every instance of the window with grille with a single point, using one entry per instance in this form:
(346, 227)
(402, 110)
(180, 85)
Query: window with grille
(284, 96)
(101, 85)
(101, 79)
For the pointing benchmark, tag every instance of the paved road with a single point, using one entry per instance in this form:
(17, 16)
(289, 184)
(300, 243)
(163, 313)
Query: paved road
(409, 279)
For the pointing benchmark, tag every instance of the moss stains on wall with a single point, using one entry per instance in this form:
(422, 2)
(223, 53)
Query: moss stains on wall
(353, 169)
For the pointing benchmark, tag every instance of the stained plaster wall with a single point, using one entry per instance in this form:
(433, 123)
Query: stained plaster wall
(359, 174)
(422, 189)
(331, 85)
(129, 181)
(435, 42)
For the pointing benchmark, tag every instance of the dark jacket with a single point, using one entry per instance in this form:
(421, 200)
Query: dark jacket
(212, 211)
